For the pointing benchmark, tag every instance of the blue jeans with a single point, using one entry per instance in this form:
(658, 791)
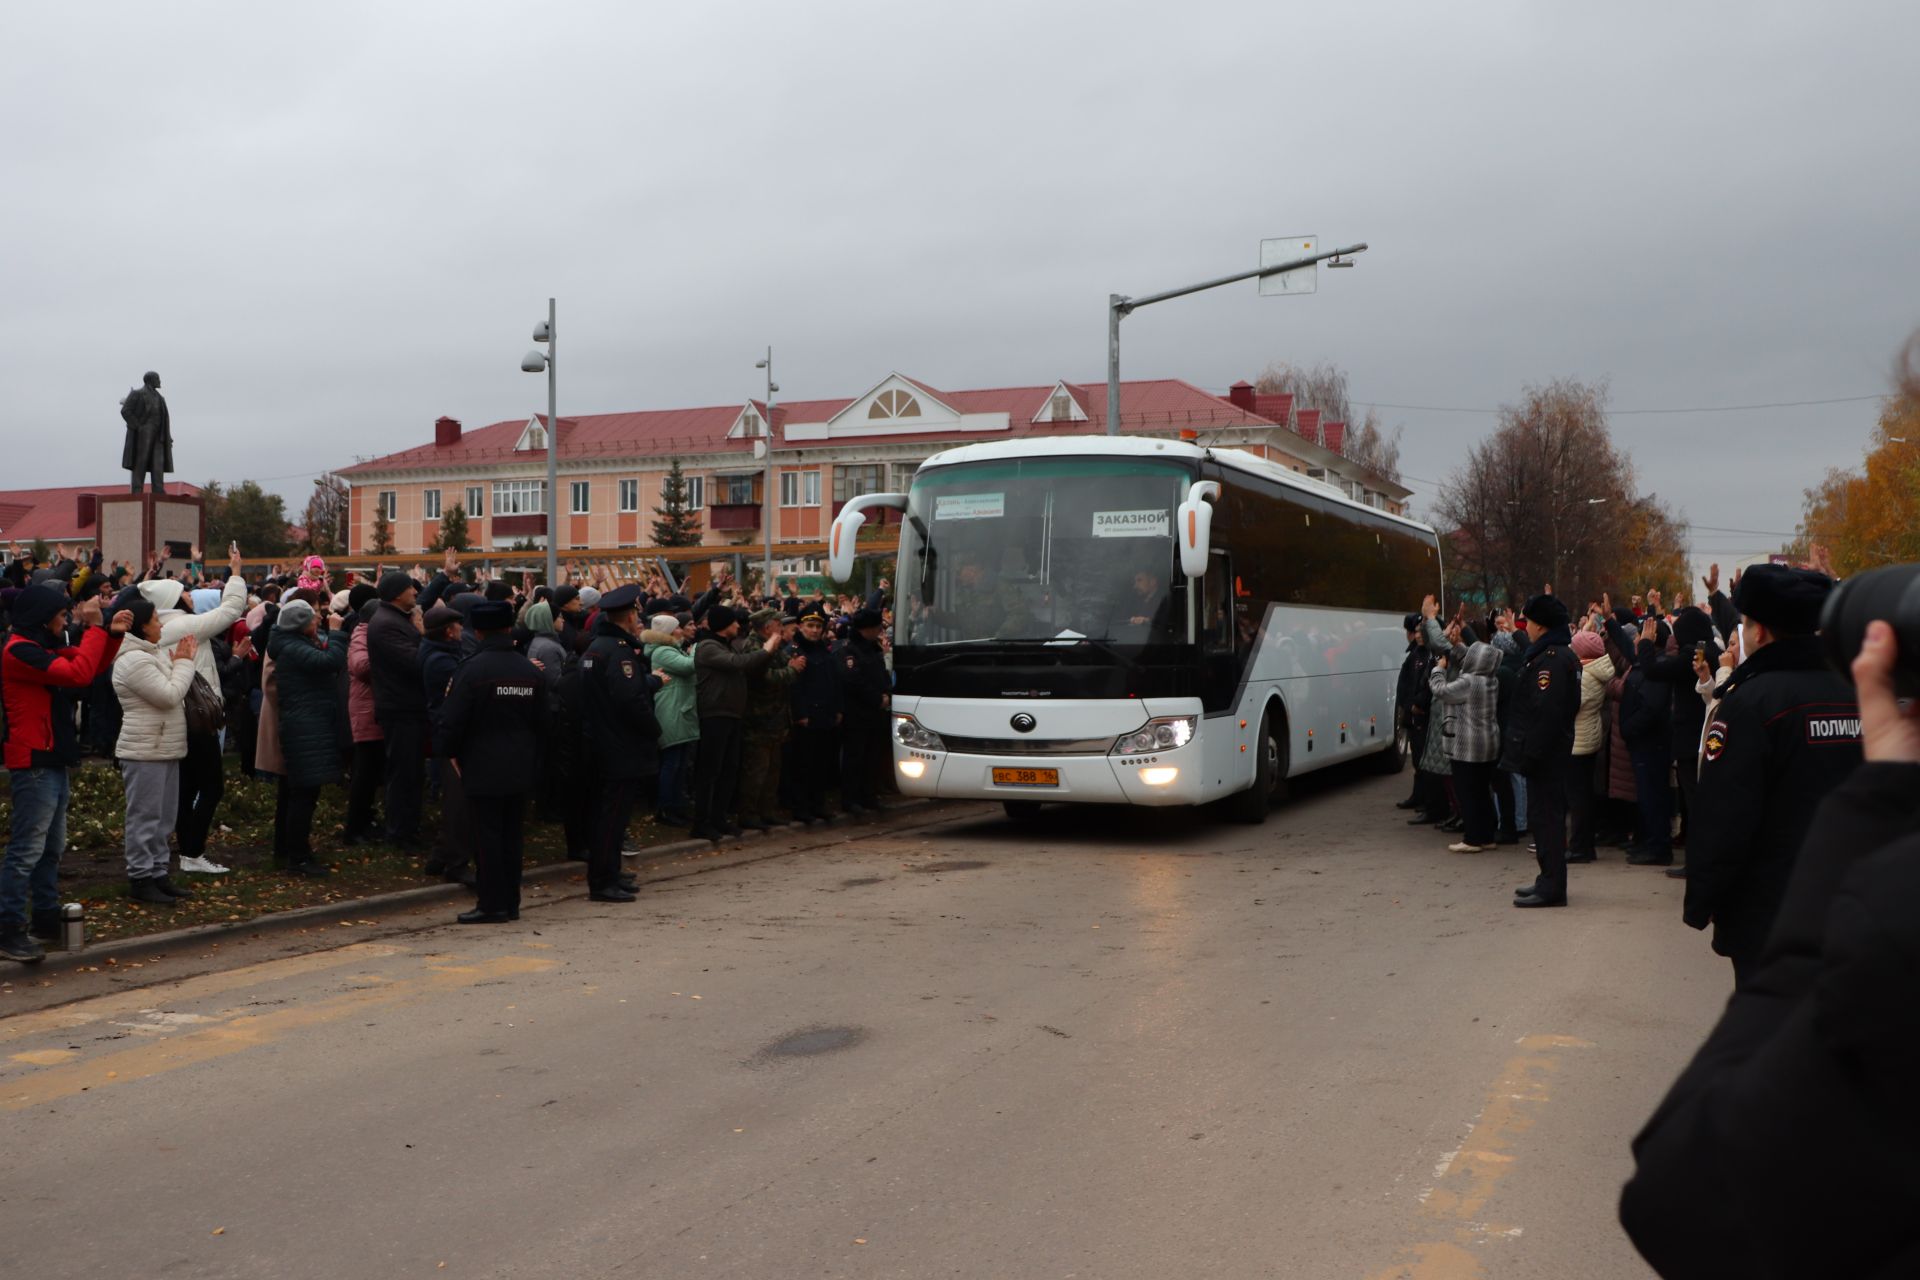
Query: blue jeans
(32, 866)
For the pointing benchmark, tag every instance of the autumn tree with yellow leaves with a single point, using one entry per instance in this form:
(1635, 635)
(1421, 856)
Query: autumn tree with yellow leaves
(1859, 519)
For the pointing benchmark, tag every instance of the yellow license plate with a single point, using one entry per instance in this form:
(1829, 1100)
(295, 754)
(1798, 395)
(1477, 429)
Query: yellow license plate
(1026, 777)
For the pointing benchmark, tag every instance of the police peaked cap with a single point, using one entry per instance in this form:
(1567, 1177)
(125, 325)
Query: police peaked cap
(1547, 611)
(815, 614)
(621, 598)
(491, 615)
(1782, 598)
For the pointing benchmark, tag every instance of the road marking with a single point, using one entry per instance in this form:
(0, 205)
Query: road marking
(122, 1003)
(1465, 1179)
(155, 1057)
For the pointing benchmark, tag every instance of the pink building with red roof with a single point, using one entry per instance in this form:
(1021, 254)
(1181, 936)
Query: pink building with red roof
(69, 515)
(612, 465)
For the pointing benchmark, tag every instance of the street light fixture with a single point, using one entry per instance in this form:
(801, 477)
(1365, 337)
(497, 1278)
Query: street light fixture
(536, 362)
(767, 504)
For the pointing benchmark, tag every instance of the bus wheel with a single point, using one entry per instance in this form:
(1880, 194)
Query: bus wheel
(1022, 810)
(1398, 752)
(1269, 774)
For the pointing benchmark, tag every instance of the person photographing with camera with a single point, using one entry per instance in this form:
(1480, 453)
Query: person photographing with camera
(1785, 1147)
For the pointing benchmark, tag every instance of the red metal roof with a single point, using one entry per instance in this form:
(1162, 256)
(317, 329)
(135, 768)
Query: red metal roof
(53, 514)
(1164, 404)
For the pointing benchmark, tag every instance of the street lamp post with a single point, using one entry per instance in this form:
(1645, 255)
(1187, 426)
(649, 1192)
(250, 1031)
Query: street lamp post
(535, 361)
(768, 508)
(1119, 306)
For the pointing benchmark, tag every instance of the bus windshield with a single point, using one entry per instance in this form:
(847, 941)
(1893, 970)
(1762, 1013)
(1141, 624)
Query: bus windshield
(1044, 549)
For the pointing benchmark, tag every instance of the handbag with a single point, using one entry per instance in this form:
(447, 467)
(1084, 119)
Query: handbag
(205, 713)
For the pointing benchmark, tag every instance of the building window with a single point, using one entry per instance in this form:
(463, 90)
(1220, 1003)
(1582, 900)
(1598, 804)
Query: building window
(810, 488)
(579, 495)
(894, 404)
(431, 499)
(851, 482)
(736, 490)
(696, 491)
(750, 423)
(535, 438)
(390, 503)
(473, 501)
(519, 497)
(903, 473)
(1061, 408)
(629, 496)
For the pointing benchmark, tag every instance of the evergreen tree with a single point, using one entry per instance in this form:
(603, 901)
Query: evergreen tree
(677, 526)
(382, 532)
(453, 531)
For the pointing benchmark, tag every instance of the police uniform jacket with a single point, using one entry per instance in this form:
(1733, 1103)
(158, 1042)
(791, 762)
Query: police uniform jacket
(1546, 703)
(1786, 732)
(494, 721)
(862, 669)
(440, 660)
(1798, 1111)
(816, 691)
(619, 728)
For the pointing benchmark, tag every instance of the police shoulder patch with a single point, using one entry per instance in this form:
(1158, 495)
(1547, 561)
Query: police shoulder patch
(851, 664)
(1716, 740)
(1544, 679)
(626, 667)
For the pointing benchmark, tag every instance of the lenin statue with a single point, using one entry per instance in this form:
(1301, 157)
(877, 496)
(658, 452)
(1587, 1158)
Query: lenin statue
(149, 448)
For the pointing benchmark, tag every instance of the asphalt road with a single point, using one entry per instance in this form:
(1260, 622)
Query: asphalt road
(1116, 1044)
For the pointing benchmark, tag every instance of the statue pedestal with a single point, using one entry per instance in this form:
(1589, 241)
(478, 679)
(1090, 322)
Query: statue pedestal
(133, 526)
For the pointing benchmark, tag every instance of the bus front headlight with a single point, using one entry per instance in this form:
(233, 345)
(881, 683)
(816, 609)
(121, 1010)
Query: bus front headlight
(1162, 734)
(909, 732)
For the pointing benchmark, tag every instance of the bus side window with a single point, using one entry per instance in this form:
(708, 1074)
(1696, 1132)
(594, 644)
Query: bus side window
(1216, 622)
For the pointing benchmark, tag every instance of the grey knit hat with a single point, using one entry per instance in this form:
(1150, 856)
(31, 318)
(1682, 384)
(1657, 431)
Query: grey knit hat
(295, 615)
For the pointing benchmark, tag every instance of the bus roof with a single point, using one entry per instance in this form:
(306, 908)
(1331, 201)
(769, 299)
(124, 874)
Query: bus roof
(1148, 447)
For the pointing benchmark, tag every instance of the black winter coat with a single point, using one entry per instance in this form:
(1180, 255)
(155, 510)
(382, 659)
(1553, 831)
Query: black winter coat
(495, 720)
(1546, 702)
(439, 662)
(1786, 732)
(304, 672)
(393, 650)
(1785, 1149)
(619, 730)
(862, 669)
(816, 691)
(1646, 709)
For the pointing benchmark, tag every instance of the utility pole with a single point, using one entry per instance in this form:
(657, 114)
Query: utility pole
(769, 508)
(1119, 306)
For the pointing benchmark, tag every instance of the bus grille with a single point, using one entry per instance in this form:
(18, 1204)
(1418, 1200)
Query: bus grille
(957, 745)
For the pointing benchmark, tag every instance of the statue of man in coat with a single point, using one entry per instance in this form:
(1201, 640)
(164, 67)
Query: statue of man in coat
(149, 448)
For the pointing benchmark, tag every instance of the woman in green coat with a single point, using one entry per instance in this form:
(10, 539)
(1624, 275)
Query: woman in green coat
(306, 665)
(678, 711)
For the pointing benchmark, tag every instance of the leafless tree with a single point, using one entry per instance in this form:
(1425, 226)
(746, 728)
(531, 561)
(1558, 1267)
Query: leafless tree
(1324, 387)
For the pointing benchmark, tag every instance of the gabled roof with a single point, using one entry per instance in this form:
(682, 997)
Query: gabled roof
(54, 514)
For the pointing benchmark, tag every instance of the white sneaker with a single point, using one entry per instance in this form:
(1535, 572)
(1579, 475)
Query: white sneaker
(1460, 847)
(203, 866)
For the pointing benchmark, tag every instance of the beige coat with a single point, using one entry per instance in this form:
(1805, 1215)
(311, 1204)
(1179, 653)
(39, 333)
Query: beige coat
(267, 757)
(1589, 731)
(152, 688)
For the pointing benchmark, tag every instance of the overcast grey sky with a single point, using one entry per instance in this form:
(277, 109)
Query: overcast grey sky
(328, 226)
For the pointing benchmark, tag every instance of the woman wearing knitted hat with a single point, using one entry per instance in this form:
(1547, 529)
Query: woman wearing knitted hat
(1586, 775)
(307, 665)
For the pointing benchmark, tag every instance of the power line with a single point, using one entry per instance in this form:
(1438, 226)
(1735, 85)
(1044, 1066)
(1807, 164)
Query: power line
(1709, 408)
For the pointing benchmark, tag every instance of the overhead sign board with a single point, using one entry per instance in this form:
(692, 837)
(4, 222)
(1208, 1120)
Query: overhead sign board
(1301, 279)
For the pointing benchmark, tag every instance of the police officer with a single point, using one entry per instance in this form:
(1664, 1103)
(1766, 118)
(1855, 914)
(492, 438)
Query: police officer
(492, 727)
(442, 651)
(765, 723)
(621, 736)
(865, 694)
(1539, 743)
(1786, 732)
(816, 718)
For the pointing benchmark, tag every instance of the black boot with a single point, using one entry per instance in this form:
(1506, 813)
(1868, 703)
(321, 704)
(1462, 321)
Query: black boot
(16, 944)
(47, 924)
(147, 889)
(169, 887)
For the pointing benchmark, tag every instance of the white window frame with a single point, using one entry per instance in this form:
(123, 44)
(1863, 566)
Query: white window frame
(789, 488)
(430, 504)
(475, 495)
(579, 497)
(390, 503)
(629, 496)
(519, 497)
(809, 488)
(696, 493)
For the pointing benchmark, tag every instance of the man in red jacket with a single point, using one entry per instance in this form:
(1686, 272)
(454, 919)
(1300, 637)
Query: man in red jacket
(39, 674)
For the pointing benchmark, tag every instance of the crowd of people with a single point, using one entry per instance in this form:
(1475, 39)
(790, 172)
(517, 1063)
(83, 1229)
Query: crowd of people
(1715, 726)
(724, 711)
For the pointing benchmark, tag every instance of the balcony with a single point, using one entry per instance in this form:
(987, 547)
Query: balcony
(519, 526)
(733, 517)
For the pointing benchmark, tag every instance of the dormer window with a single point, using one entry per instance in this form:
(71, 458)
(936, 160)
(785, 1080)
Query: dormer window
(536, 438)
(750, 423)
(1060, 408)
(894, 404)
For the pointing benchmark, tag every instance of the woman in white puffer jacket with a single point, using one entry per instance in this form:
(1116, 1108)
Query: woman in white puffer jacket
(202, 779)
(152, 684)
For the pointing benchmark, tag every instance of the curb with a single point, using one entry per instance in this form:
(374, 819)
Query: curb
(651, 869)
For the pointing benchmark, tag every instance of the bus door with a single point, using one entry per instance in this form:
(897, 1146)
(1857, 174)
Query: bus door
(1222, 649)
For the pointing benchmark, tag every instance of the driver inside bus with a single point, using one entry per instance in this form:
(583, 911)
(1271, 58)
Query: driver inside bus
(1142, 614)
(978, 609)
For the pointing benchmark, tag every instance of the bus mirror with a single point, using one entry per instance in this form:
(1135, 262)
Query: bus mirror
(841, 542)
(1195, 528)
(844, 538)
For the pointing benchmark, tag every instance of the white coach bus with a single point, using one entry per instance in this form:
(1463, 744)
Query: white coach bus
(1117, 620)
